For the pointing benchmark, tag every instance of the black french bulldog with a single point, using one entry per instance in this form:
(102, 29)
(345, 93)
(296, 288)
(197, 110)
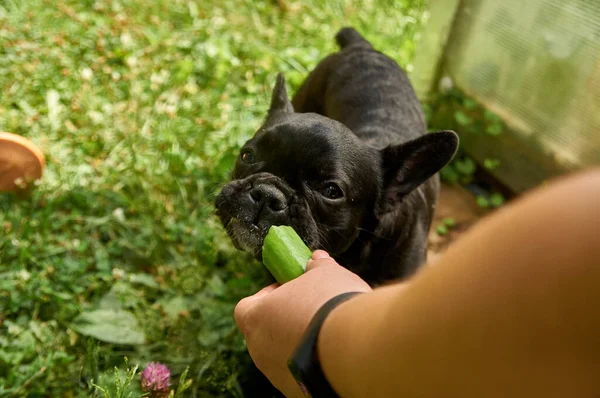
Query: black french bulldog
(347, 164)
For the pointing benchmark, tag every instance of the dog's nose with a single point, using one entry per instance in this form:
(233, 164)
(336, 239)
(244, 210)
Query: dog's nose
(268, 196)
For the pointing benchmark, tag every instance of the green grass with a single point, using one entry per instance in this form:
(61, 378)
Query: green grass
(140, 108)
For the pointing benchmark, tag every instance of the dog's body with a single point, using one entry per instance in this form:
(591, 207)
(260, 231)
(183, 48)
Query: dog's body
(349, 166)
(370, 94)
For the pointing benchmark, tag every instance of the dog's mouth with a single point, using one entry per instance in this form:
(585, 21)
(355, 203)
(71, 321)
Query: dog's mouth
(248, 209)
(247, 237)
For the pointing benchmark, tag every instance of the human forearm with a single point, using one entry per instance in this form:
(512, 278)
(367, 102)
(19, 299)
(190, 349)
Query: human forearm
(463, 344)
(509, 310)
(348, 339)
(501, 314)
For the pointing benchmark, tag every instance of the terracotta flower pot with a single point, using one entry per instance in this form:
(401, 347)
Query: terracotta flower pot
(21, 162)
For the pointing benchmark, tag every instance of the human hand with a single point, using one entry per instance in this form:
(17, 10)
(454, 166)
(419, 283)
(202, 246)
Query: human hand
(274, 319)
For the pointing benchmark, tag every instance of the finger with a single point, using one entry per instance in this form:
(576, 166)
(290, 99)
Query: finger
(319, 259)
(318, 254)
(266, 290)
(245, 304)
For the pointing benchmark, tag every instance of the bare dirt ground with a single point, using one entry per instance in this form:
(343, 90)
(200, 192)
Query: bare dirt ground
(456, 203)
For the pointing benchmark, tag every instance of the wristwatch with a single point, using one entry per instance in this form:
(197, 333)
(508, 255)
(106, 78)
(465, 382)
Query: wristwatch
(304, 363)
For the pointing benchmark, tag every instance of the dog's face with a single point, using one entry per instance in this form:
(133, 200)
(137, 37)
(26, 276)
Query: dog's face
(314, 174)
(302, 170)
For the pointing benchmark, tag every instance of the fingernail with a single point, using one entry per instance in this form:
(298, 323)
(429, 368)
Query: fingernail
(319, 254)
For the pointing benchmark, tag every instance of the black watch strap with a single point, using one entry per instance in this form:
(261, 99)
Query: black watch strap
(304, 363)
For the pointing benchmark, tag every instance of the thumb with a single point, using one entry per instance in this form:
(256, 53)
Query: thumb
(320, 258)
(245, 305)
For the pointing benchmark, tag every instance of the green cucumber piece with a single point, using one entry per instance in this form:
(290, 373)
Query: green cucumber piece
(284, 254)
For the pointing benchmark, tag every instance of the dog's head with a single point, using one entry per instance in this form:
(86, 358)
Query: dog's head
(314, 174)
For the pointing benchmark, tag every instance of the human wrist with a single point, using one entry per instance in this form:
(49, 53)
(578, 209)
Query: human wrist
(346, 342)
(304, 363)
(331, 346)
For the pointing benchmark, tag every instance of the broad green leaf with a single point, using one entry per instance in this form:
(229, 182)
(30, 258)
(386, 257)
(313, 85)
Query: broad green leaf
(491, 116)
(469, 103)
(449, 174)
(449, 222)
(497, 199)
(174, 306)
(482, 201)
(111, 326)
(494, 129)
(462, 118)
(491, 164)
(110, 301)
(144, 279)
(216, 285)
(465, 167)
(209, 337)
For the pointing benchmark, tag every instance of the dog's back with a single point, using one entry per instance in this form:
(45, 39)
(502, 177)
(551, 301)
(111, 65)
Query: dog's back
(365, 90)
(370, 93)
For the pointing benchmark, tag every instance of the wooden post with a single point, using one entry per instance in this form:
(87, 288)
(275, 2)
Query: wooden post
(430, 50)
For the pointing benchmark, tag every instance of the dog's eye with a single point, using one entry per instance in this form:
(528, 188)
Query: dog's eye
(248, 156)
(332, 191)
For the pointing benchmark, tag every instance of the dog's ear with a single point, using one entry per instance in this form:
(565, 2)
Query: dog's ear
(408, 165)
(279, 99)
